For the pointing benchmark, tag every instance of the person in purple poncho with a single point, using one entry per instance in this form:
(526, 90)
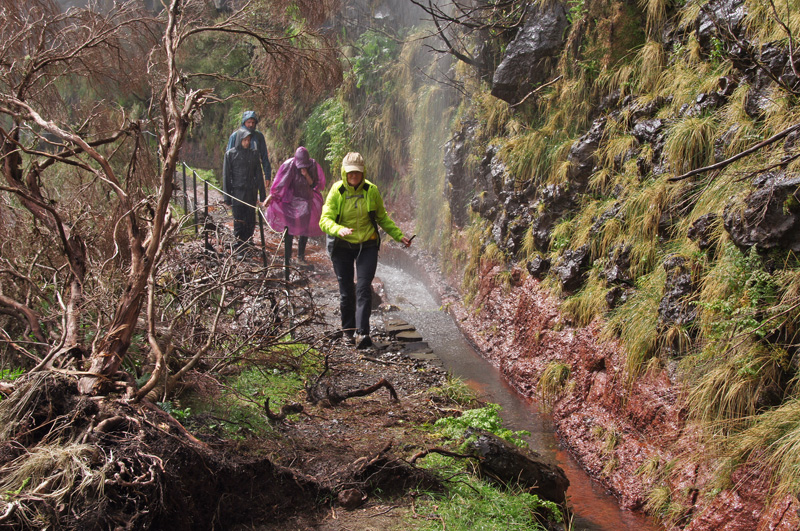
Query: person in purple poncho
(295, 201)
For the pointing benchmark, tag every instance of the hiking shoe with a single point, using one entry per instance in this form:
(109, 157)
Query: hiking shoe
(363, 342)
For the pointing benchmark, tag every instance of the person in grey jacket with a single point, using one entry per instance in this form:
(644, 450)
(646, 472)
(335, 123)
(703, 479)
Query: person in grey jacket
(249, 122)
(243, 184)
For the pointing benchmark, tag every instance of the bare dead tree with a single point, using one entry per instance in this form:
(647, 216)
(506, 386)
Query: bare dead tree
(41, 46)
(209, 311)
(80, 176)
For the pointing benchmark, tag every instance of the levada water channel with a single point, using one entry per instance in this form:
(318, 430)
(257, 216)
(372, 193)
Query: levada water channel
(594, 508)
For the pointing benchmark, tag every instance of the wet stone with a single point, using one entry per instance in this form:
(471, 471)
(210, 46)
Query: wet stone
(417, 347)
(398, 327)
(409, 336)
(429, 359)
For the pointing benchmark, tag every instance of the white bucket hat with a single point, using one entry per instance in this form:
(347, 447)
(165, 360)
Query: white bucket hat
(353, 162)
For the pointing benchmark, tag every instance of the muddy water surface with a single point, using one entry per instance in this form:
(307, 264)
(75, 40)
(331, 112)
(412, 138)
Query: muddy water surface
(594, 508)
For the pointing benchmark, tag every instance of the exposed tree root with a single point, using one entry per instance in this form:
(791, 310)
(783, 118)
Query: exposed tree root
(70, 462)
(383, 471)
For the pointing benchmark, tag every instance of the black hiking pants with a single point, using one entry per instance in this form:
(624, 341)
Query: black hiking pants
(355, 297)
(301, 246)
(244, 222)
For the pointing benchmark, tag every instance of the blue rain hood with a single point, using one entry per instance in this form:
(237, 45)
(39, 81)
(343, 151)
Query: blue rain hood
(246, 115)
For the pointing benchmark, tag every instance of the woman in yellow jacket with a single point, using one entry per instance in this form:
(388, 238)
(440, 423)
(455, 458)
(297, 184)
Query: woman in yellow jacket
(351, 216)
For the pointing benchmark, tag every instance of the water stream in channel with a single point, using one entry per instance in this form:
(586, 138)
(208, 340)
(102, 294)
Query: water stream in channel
(594, 508)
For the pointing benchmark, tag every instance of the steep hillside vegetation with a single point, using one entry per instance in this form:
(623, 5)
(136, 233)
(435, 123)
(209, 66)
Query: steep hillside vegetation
(639, 161)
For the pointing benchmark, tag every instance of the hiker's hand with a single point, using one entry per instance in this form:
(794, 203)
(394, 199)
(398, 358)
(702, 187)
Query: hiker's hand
(267, 201)
(406, 242)
(345, 231)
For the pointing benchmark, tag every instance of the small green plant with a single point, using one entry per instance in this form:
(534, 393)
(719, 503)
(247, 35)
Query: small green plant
(485, 418)
(650, 468)
(717, 50)
(11, 374)
(179, 413)
(458, 391)
(7, 495)
(659, 499)
(577, 10)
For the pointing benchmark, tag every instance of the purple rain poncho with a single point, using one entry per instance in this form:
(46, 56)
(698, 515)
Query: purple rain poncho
(295, 204)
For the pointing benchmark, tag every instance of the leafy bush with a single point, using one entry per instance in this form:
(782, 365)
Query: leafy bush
(375, 54)
(328, 133)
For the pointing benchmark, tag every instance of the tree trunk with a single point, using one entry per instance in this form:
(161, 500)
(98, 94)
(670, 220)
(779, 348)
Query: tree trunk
(108, 356)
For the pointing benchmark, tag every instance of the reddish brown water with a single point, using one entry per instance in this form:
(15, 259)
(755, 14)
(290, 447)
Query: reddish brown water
(594, 508)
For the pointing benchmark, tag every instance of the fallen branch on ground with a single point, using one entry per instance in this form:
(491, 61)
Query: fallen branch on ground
(334, 398)
(286, 409)
(368, 391)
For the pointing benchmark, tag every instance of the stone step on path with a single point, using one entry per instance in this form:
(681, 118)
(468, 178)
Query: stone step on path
(413, 345)
(409, 336)
(393, 325)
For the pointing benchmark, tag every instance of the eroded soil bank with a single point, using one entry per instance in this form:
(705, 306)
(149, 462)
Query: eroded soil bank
(632, 437)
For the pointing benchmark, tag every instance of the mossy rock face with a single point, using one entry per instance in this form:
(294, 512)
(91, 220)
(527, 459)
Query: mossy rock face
(771, 217)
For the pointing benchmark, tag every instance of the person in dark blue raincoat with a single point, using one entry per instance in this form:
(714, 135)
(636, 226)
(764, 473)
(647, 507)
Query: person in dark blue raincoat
(249, 122)
(243, 184)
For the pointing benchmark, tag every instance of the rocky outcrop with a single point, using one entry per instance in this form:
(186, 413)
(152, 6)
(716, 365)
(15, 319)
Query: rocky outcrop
(530, 56)
(676, 313)
(460, 184)
(769, 216)
(571, 269)
(702, 231)
(538, 267)
(719, 16)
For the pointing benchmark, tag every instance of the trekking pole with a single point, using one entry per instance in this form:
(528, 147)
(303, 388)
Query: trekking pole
(263, 241)
(286, 254)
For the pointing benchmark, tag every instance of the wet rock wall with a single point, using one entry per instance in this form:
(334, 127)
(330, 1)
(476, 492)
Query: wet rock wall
(632, 434)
